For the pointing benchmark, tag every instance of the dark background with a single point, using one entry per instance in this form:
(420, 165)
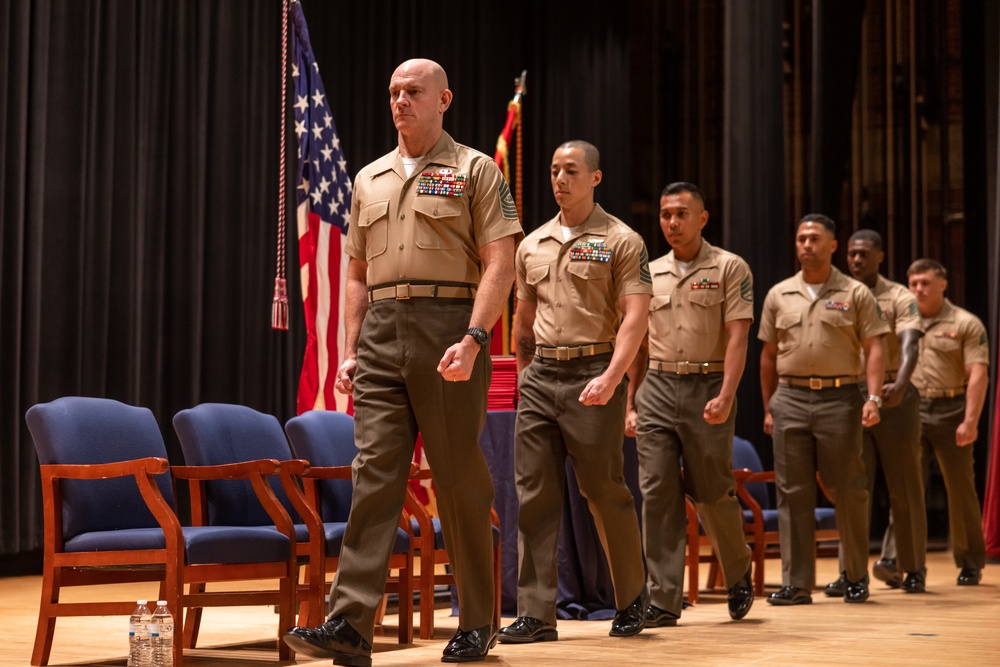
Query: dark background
(139, 171)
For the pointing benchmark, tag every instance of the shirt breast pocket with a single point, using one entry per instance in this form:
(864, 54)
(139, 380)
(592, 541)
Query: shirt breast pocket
(789, 326)
(374, 223)
(706, 310)
(589, 280)
(438, 223)
(537, 279)
(944, 344)
(838, 327)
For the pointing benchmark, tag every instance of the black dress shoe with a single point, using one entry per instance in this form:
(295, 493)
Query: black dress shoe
(470, 646)
(789, 595)
(915, 582)
(970, 576)
(527, 629)
(836, 589)
(885, 569)
(632, 619)
(857, 591)
(334, 639)
(741, 596)
(660, 618)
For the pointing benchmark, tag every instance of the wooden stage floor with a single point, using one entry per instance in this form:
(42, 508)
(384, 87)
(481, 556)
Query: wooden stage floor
(950, 625)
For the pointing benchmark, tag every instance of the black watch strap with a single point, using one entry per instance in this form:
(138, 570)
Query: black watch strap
(479, 335)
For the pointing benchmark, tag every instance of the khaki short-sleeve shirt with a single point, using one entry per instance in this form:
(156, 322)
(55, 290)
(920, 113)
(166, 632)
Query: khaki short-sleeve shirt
(820, 338)
(899, 307)
(688, 313)
(429, 226)
(952, 340)
(576, 284)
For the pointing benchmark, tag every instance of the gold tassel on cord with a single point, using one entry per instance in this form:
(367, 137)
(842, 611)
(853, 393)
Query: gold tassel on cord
(279, 307)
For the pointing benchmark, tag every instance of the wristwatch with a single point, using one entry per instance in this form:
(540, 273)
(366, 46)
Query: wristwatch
(479, 335)
(876, 399)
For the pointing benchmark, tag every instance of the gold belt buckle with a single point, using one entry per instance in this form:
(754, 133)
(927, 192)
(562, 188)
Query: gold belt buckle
(683, 367)
(562, 353)
(815, 383)
(403, 291)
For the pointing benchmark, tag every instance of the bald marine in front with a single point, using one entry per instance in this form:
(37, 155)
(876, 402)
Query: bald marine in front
(431, 246)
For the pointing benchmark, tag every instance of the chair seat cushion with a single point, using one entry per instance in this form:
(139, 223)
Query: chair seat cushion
(825, 518)
(439, 536)
(202, 544)
(334, 533)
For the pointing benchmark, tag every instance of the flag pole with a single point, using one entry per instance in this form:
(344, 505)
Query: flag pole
(279, 303)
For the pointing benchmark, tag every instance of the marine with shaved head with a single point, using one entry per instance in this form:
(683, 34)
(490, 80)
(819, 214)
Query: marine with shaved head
(431, 246)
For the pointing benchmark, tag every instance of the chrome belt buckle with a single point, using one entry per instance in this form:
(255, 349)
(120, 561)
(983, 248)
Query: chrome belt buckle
(402, 291)
(815, 383)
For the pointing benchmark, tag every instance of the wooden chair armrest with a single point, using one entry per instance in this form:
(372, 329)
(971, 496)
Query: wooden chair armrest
(328, 472)
(142, 470)
(290, 472)
(242, 470)
(256, 472)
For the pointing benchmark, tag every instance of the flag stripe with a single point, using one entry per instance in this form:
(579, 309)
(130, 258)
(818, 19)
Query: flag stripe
(324, 204)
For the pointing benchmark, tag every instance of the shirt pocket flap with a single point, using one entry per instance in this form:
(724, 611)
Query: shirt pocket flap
(372, 213)
(437, 207)
(788, 320)
(536, 274)
(659, 301)
(707, 297)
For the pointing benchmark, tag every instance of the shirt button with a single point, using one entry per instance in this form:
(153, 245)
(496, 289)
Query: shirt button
(400, 246)
(402, 216)
(558, 329)
(558, 304)
(679, 326)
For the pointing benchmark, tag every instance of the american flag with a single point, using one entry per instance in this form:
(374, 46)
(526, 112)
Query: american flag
(324, 209)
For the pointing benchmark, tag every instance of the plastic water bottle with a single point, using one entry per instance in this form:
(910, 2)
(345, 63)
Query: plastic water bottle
(138, 635)
(161, 635)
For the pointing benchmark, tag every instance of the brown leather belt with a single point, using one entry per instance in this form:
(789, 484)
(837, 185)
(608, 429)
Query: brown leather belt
(687, 367)
(890, 376)
(401, 291)
(816, 384)
(938, 392)
(565, 353)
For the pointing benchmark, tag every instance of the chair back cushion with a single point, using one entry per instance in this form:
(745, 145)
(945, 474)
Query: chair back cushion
(745, 456)
(218, 433)
(326, 438)
(83, 430)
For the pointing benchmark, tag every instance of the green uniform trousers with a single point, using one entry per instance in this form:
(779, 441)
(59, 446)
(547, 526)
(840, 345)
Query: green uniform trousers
(895, 444)
(671, 425)
(552, 424)
(398, 393)
(819, 431)
(940, 417)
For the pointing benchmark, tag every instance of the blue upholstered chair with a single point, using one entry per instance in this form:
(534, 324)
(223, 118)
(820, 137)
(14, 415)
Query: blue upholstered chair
(760, 518)
(109, 517)
(327, 438)
(214, 433)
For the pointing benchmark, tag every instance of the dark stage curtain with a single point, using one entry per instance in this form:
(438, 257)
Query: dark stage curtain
(139, 170)
(139, 187)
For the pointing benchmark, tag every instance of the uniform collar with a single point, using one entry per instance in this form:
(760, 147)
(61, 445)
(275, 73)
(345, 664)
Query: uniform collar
(881, 285)
(444, 154)
(836, 282)
(596, 224)
(947, 314)
(668, 263)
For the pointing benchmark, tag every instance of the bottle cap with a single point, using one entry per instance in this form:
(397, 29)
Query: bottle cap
(162, 603)
(141, 601)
